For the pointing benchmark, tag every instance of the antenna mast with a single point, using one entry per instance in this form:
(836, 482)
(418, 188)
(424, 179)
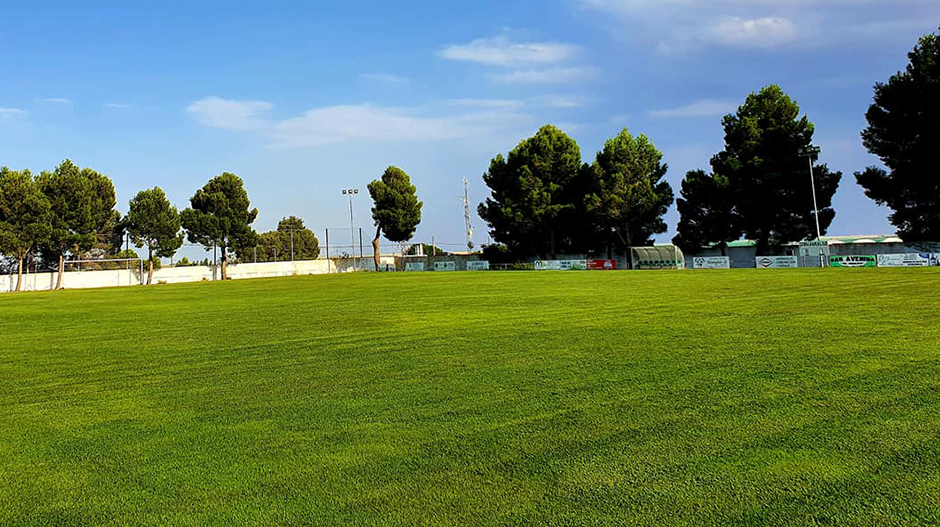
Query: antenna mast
(466, 213)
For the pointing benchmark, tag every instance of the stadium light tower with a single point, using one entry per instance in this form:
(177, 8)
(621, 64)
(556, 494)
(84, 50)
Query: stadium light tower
(466, 214)
(812, 152)
(352, 234)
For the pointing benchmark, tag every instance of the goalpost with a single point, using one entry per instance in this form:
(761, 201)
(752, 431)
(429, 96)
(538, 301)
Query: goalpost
(133, 267)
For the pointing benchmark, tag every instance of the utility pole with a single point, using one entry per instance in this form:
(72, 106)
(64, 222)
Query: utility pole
(352, 230)
(291, 230)
(812, 152)
(466, 213)
(328, 270)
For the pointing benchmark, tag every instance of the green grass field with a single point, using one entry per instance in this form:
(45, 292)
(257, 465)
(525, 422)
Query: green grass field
(792, 397)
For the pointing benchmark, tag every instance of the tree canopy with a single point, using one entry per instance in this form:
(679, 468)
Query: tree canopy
(768, 181)
(706, 213)
(25, 216)
(154, 223)
(627, 195)
(396, 210)
(220, 216)
(275, 245)
(82, 203)
(904, 131)
(534, 194)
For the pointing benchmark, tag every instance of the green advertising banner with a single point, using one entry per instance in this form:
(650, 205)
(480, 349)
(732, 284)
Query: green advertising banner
(853, 261)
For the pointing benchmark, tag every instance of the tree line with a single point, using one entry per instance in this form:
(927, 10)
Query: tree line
(544, 199)
(70, 212)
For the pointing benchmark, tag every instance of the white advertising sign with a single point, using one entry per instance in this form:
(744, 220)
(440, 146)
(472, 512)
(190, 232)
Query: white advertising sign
(814, 248)
(445, 266)
(777, 262)
(711, 262)
(904, 260)
(414, 266)
(481, 265)
(561, 265)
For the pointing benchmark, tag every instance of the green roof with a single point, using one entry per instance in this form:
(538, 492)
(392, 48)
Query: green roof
(880, 238)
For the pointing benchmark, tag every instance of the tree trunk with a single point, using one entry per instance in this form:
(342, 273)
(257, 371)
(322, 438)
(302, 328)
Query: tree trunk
(628, 255)
(19, 274)
(224, 263)
(610, 245)
(58, 283)
(149, 265)
(376, 257)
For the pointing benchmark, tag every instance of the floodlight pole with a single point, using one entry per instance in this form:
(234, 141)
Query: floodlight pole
(811, 152)
(352, 230)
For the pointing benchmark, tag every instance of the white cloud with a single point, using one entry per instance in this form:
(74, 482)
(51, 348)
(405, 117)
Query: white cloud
(117, 105)
(10, 112)
(56, 100)
(334, 124)
(546, 76)
(756, 32)
(500, 51)
(701, 108)
(680, 26)
(384, 78)
(229, 114)
(455, 119)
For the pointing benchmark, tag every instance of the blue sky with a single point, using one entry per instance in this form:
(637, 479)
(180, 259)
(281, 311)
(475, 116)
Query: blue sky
(302, 99)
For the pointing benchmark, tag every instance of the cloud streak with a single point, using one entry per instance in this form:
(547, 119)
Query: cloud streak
(228, 114)
(761, 25)
(547, 76)
(700, 108)
(468, 118)
(6, 113)
(500, 51)
(526, 62)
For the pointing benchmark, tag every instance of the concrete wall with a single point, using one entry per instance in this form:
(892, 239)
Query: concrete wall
(741, 257)
(460, 261)
(175, 275)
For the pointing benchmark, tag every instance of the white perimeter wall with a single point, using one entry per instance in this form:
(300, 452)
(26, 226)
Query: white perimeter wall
(175, 275)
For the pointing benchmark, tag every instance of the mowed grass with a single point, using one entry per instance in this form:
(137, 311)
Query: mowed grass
(791, 397)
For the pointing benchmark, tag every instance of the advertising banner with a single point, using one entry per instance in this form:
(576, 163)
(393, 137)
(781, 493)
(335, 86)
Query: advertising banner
(445, 266)
(561, 265)
(935, 259)
(481, 265)
(414, 266)
(711, 262)
(853, 261)
(777, 262)
(904, 260)
(602, 265)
